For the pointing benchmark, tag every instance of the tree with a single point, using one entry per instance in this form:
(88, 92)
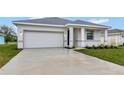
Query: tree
(8, 32)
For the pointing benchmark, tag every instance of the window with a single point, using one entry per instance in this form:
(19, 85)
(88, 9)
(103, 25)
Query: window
(89, 34)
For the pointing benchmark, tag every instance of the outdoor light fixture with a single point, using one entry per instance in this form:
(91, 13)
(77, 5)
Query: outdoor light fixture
(21, 33)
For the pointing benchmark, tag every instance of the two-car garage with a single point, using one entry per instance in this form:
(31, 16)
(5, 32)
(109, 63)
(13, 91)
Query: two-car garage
(43, 39)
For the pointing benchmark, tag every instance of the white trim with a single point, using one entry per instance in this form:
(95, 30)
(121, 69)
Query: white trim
(36, 24)
(87, 26)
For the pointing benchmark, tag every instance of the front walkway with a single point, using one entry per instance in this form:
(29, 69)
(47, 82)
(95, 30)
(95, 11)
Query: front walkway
(58, 62)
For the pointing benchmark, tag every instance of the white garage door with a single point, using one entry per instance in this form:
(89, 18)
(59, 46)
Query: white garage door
(35, 39)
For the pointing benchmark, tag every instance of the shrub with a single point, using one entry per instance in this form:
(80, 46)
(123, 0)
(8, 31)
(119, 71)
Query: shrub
(115, 46)
(101, 46)
(90, 47)
(87, 47)
(96, 47)
(111, 46)
(106, 46)
(93, 46)
(120, 45)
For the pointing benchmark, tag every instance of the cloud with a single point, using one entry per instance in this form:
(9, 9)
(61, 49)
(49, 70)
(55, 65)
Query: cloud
(99, 21)
(35, 17)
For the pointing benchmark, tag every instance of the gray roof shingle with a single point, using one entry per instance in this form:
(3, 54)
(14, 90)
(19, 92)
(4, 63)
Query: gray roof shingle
(48, 20)
(87, 23)
(57, 21)
(116, 31)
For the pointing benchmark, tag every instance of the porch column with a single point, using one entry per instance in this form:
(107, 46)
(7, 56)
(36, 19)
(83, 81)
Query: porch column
(71, 37)
(82, 37)
(106, 36)
(20, 38)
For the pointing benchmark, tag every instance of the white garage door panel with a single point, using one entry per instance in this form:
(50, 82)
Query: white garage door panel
(42, 39)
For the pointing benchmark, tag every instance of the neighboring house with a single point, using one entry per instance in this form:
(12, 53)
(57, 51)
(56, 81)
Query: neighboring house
(115, 37)
(2, 40)
(59, 32)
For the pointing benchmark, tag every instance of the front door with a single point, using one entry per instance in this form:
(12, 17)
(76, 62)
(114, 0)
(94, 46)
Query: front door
(68, 36)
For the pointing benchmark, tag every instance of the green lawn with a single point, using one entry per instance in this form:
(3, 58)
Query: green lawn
(7, 52)
(112, 55)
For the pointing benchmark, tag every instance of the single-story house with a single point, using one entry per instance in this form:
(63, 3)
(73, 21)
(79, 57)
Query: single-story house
(59, 32)
(115, 37)
(2, 40)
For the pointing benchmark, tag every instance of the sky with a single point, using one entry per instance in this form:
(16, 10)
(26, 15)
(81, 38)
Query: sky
(114, 22)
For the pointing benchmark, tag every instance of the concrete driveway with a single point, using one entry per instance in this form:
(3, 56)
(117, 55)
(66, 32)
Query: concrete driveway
(58, 62)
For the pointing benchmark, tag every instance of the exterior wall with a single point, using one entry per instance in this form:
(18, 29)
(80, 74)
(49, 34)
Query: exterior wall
(65, 37)
(91, 43)
(79, 40)
(122, 39)
(95, 41)
(22, 28)
(77, 37)
(2, 41)
(113, 39)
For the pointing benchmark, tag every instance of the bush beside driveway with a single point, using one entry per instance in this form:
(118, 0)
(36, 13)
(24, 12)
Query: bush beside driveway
(112, 55)
(7, 52)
